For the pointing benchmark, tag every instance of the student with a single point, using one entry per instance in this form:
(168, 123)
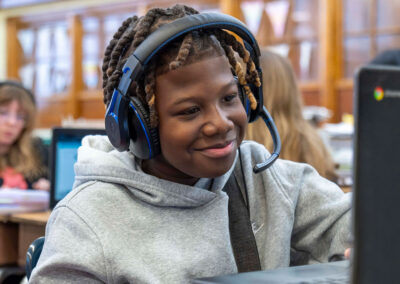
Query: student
(23, 159)
(301, 142)
(165, 219)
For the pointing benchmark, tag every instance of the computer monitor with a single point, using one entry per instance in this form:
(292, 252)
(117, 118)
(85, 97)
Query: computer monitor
(63, 155)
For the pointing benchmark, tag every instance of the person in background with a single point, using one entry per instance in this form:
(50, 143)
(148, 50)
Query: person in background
(23, 159)
(300, 140)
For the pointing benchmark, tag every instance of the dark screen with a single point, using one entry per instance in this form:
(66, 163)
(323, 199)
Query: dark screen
(377, 174)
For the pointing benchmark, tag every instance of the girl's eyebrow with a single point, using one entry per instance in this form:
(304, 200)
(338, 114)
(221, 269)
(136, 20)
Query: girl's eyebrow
(233, 82)
(178, 101)
(182, 100)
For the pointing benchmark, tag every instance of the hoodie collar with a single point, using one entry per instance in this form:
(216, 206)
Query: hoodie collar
(99, 161)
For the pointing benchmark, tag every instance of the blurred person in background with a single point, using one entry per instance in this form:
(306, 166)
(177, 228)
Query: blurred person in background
(301, 142)
(23, 159)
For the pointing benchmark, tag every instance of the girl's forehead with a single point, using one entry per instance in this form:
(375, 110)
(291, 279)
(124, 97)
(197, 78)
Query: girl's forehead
(207, 76)
(14, 103)
(205, 70)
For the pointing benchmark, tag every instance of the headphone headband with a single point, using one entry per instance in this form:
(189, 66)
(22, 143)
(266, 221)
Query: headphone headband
(137, 61)
(167, 33)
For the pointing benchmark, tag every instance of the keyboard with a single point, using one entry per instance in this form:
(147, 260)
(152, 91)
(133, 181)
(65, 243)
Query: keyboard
(332, 272)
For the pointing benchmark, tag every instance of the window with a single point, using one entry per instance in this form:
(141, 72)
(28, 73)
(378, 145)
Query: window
(289, 28)
(369, 27)
(45, 64)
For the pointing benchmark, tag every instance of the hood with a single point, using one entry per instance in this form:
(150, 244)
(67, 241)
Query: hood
(98, 160)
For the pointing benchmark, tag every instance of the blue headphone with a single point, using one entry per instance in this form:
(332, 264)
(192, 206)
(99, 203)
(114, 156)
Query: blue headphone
(128, 122)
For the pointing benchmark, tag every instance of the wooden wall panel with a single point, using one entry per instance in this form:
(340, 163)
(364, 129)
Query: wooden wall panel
(331, 57)
(344, 92)
(311, 94)
(12, 49)
(76, 86)
(92, 108)
(51, 112)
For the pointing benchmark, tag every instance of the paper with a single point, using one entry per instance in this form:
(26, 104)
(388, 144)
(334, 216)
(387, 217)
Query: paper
(17, 200)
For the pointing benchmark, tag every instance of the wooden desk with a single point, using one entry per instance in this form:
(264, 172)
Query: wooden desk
(17, 232)
(30, 227)
(8, 244)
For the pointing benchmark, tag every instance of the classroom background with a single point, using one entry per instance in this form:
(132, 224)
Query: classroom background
(55, 48)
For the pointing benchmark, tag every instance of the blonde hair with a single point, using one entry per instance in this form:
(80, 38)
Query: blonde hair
(21, 156)
(300, 141)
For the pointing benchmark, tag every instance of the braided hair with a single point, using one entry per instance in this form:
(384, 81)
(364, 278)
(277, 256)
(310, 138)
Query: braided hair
(187, 49)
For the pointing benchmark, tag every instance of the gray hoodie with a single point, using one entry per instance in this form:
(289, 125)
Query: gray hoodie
(120, 225)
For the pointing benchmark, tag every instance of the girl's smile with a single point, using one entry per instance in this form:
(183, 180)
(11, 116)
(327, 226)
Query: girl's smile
(219, 150)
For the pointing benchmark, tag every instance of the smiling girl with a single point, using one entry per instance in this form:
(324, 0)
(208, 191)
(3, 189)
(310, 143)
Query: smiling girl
(165, 219)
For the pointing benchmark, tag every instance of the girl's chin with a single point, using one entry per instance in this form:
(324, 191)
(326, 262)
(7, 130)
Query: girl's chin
(215, 171)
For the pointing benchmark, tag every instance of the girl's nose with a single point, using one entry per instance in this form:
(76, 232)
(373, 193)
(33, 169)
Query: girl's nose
(217, 122)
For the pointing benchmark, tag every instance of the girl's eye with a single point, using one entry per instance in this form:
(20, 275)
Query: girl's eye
(230, 97)
(190, 111)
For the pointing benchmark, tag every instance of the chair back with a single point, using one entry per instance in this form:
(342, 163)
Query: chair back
(32, 255)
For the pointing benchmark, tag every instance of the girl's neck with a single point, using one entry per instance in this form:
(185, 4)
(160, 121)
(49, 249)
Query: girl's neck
(158, 169)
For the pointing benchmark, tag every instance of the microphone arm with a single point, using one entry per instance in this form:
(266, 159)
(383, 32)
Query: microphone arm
(275, 138)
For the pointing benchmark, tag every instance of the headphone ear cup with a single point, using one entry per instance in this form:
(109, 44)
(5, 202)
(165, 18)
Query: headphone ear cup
(144, 140)
(116, 122)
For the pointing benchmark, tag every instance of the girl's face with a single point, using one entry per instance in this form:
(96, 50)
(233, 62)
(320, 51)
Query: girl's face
(201, 121)
(12, 122)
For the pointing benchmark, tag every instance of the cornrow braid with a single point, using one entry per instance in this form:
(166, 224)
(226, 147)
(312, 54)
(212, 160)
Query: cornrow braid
(145, 24)
(229, 43)
(241, 77)
(110, 47)
(243, 53)
(183, 52)
(150, 82)
(112, 66)
(156, 17)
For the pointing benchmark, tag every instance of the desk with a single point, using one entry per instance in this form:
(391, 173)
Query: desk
(17, 232)
(8, 237)
(30, 227)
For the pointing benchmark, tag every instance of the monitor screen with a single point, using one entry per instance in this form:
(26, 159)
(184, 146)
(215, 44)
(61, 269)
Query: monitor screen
(64, 153)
